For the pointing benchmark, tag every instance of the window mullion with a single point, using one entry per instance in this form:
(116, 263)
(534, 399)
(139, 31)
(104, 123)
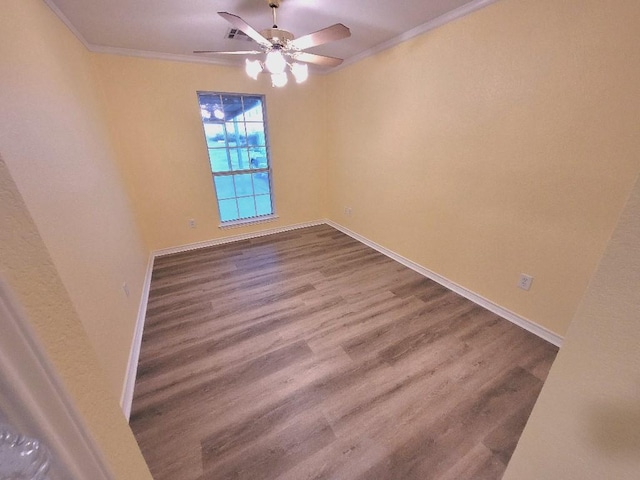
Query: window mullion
(226, 145)
(237, 186)
(241, 172)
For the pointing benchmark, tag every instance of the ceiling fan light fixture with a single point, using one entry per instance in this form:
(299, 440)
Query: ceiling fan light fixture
(281, 48)
(279, 79)
(253, 68)
(300, 72)
(275, 62)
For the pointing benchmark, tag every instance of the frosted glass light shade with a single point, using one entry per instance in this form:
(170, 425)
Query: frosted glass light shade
(279, 79)
(253, 68)
(275, 62)
(300, 72)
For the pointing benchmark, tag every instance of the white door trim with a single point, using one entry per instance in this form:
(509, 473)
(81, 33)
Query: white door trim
(35, 402)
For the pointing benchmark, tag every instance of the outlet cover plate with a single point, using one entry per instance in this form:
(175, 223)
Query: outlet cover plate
(525, 281)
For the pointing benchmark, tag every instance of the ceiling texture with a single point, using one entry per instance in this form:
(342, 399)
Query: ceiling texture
(172, 29)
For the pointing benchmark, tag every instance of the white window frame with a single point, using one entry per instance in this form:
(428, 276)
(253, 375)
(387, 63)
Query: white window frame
(268, 170)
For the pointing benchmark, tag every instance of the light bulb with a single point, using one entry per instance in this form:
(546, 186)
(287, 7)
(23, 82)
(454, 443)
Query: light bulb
(279, 79)
(300, 72)
(275, 61)
(253, 68)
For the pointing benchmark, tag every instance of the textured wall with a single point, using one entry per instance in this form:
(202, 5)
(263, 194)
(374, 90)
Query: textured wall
(55, 142)
(504, 142)
(154, 113)
(586, 424)
(29, 270)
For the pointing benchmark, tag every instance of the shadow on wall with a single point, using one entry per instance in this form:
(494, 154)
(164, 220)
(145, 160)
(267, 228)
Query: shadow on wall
(615, 429)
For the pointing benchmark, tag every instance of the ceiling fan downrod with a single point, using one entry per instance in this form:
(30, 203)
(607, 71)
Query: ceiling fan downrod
(274, 4)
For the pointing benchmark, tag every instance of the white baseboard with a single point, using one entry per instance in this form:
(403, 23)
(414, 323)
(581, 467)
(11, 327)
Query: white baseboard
(234, 238)
(127, 394)
(126, 400)
(528, 325)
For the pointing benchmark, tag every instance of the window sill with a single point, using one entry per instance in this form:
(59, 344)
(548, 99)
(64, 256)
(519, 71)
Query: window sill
(247, 221)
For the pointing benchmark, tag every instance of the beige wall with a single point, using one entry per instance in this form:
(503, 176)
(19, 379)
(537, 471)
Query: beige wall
(153, 110)
(501, 143)
(54, 140)
(586, 424)
(504, 142)
(25, 264)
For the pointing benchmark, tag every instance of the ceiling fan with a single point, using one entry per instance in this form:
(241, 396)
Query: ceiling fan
(282, 49)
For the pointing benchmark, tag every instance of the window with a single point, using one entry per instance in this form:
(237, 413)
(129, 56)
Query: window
(236, 134)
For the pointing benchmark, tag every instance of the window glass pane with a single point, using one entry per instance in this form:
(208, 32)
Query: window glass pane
(215, 135)
(236, 134)
(255, 134)
(228, 210)
(244, 163)
(263, 205)
(258, 157)
(232, 107)
(253, 109)
(239, 159)
(236, 140)
(207, 99)
(233, 158)
(261, 183)
(244, 186)
(247, 207)
(225, 187)
(219, 160)
(211, 108)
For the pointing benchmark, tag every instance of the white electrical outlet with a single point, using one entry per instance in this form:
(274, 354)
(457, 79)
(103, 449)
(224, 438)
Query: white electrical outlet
(525, 281)
(347, 211)
(125, 288)
(192, 223)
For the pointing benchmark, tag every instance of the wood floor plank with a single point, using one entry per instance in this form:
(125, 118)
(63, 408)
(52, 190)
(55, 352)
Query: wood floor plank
(267, 458)
(308, 355)
(478, 464)
(432, 451)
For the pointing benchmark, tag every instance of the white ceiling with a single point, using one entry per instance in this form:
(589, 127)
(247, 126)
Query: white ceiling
(174, 28)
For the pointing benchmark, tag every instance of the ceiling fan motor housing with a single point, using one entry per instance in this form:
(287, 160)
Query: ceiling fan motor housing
(277, 36)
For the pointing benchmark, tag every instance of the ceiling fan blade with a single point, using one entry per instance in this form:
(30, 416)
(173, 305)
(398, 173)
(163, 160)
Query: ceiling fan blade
(240, 24)
(240, 52)
(326, 35)
(322, 60)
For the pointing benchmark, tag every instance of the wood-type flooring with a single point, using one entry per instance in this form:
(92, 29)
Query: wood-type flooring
(308, 355)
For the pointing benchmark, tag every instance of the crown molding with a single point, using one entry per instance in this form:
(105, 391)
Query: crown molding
(455, 14)
(127, 52)
(68, 23)
(459, 12)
